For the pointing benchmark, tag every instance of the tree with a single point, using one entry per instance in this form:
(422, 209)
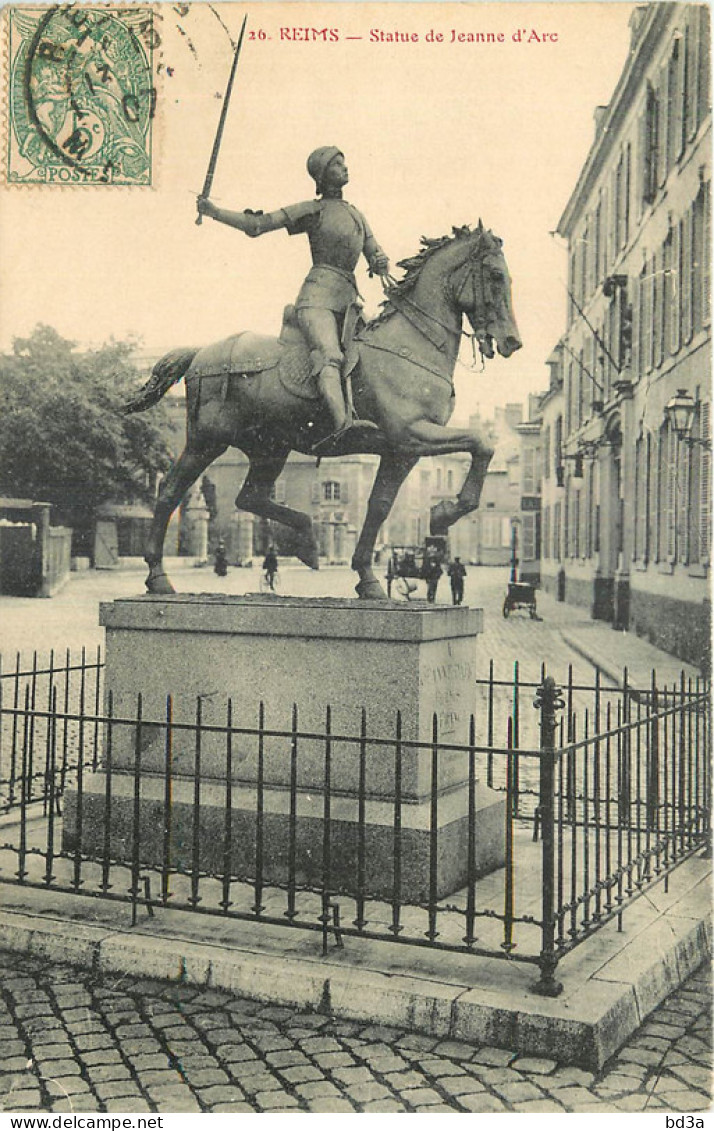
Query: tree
(63, 436)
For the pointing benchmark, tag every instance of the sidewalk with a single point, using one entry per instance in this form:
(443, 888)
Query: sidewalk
(610, 650)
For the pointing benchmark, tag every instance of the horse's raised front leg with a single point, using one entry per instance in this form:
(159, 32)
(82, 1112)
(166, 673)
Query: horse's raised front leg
(178, 480)
(436, 439)
(392, 472)
(254, 497)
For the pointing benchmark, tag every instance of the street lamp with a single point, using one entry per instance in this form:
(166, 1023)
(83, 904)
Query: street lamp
(680, 412)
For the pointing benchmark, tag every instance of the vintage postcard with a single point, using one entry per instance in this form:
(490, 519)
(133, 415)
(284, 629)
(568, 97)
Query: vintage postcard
(355, 555)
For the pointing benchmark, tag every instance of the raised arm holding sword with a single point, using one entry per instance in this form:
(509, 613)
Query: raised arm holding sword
(338, 234)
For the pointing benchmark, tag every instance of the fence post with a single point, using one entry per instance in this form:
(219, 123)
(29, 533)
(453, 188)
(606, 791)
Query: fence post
(548, 700)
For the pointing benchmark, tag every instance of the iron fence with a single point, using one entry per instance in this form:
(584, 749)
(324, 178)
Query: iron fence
(70, 685)
(591, 798)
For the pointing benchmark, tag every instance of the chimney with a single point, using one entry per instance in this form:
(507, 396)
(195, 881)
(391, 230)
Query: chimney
(600, 115)
(513, 415)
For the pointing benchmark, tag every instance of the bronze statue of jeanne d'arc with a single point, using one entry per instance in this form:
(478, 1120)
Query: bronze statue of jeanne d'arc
(338, 235)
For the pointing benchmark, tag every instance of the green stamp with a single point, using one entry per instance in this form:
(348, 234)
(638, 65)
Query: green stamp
(81, 95)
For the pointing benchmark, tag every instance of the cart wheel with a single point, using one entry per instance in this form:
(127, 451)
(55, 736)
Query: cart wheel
(506, 608)
(534, 614)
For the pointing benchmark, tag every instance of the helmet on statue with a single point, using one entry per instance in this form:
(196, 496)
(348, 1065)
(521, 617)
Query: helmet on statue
(318, 161)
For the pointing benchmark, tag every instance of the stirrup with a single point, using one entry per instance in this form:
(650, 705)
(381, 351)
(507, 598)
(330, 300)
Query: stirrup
(355, 425)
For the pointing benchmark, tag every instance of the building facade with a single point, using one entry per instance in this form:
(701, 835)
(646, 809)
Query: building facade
(628, 534)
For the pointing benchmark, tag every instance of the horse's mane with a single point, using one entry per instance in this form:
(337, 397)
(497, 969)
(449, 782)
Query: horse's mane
(413, 267)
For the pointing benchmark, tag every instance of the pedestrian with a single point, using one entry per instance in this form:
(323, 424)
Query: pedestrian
(457, 573)
(270, 566)
(432, 573)
(220, 560)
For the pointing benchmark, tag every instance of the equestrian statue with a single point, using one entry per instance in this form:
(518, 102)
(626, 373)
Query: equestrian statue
(332, 384)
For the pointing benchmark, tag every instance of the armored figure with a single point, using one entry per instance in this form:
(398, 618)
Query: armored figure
(338, 235)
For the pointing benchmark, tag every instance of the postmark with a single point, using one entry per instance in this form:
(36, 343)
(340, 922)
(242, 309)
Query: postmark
(82, 98)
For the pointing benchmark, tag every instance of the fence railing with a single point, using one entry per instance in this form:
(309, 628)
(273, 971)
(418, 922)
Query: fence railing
(73, 684)
(589, 800)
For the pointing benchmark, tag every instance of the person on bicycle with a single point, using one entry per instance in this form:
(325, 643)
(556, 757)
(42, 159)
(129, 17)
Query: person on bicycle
(270, 566)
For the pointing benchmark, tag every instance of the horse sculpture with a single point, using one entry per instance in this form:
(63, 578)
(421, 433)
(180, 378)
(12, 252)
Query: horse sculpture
(256, 394)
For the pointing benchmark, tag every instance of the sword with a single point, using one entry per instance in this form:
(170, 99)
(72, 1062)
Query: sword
(208, 183)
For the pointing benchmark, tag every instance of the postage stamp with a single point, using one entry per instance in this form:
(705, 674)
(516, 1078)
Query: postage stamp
(81, 98)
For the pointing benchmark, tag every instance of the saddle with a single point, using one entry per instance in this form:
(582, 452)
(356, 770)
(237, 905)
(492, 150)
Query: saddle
(247, 353)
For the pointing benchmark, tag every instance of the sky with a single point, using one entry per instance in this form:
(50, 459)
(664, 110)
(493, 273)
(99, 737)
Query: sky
(436, 134)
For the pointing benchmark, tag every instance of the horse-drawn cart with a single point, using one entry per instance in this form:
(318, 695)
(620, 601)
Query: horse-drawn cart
(408, 564)
(520, 595)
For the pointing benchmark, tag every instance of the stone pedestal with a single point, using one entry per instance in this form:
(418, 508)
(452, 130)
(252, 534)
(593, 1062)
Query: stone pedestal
(290, 661)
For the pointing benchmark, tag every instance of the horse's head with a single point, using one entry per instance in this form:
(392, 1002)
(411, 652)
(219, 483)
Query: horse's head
(480, 287)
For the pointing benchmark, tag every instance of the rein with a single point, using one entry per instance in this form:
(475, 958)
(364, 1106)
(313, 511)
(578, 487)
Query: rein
(459, 332)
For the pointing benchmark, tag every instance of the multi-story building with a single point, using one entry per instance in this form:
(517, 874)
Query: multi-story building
(633, 532)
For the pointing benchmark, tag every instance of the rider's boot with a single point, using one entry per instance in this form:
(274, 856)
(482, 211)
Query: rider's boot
(343, 420)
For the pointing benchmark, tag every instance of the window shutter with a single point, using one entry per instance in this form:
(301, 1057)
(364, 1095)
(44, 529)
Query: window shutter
(705, 485)
(692, 74)
(675, 290)
(647, 501)
(707, 254)
(684, 503)
(667, 293)
(566, 524)
(687, 276)
(663, 126)
(637, 541)
(671, 496)
(626, 189)
(657, 297)
(703, 107)
(316, 491)
(344, 492)
(649, 328)
(658, 481)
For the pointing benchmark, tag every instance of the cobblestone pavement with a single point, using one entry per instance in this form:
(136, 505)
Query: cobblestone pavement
(71, 1042)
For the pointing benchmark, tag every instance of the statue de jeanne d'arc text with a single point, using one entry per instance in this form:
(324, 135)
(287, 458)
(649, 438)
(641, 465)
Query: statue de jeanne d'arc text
(332, 384)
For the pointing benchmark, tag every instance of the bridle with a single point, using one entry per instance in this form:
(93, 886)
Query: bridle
(474, 270)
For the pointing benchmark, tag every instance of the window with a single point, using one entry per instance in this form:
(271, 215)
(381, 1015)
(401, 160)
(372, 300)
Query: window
(529, 537)
(530, 471)
(546, 453)
(650, 146)
(674, 103)
(558, 444)
(331, 491)
(278, 491)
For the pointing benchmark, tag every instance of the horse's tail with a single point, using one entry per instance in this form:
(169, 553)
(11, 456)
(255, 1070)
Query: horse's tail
(167, 372)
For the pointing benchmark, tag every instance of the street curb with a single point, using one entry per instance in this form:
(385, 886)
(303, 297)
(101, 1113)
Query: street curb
(612, 673)
(592, 1019)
